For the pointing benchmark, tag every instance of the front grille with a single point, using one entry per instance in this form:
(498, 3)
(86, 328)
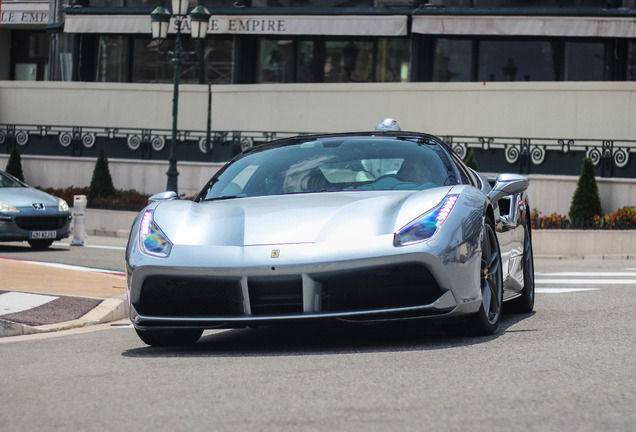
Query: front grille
(386, 287)
(190, 297)
(275, 296)
(41, 223)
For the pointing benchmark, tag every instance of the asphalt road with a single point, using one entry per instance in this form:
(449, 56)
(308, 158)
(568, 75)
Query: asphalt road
(98, 252)
(569, 366)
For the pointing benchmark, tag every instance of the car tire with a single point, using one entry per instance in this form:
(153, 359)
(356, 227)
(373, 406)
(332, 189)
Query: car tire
(486, 320)
(40, 244)
(162, 338)
(525, 303)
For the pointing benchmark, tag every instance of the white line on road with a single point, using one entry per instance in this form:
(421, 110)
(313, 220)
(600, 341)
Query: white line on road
(71, 267)
(588, 274)
(587, 281)
(562, 290)
(13, 302)
(93, 246)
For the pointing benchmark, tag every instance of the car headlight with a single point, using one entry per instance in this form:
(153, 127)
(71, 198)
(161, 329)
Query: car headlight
(62, 205)
(152, 240)
(425, 226)
(8, 208)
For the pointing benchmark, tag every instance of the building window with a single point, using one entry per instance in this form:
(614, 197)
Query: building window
(584, 61)
(516, 61)
(452, 60)
(29, 55)
(275, 61)
(394, 60)
(320, 60)
(631, 61)
(150, 66)
(112, 58)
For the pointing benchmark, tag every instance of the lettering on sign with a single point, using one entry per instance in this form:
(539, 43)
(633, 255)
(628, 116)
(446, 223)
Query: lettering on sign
(11, 17)
(248, 25)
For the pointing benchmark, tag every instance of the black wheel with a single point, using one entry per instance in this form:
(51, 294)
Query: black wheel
(164, 338)
(525, 303)
(40, 244)
(485, 321)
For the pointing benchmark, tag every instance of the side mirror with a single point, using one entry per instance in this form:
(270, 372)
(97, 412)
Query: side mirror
(508, 184)
(163, 196)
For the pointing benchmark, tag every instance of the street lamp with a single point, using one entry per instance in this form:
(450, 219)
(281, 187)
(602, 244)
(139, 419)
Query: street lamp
(159, 22)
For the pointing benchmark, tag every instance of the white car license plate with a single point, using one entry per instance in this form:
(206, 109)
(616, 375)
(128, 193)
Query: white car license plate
(42, 235)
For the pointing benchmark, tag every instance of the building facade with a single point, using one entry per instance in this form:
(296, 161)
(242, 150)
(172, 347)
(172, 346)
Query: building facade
(316, 41)
(529, 86)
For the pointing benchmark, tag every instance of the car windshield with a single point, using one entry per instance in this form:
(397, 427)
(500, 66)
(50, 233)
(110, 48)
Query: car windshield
(334, 164)
(8, 182)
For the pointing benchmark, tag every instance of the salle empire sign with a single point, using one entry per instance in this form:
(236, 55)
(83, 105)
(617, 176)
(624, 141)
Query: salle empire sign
(243, 25)
(17, 17)
(249, 25)
(341, 25)
(307, 25)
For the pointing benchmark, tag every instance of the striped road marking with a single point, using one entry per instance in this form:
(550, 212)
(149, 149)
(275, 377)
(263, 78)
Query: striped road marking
(13, 302)
(566, 282)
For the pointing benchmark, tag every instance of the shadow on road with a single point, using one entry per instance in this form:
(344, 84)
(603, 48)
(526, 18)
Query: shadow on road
(24, 248)
(325, 339)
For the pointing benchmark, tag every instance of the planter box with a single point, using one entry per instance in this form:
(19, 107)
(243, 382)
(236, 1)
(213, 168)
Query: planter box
(109, 223)
(579, 243)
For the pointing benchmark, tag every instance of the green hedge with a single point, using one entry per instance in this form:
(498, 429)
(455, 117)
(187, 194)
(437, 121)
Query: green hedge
(129, 200)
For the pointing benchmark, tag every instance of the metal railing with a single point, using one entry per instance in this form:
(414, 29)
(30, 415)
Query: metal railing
(524, 151)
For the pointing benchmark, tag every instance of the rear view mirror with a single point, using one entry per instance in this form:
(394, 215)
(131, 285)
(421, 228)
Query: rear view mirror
(163, 196)
(508, 184)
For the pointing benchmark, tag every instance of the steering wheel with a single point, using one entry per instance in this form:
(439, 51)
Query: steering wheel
(395, 176)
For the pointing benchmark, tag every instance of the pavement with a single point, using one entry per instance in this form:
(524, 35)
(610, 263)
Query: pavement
(38, 297)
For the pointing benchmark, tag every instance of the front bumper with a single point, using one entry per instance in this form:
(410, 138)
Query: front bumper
(305, 282)
(20, 227)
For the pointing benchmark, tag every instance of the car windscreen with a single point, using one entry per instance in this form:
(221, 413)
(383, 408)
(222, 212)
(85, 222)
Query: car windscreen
(8, 182)
(334, 164)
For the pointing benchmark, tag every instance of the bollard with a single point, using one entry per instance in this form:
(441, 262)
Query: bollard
(79, 220)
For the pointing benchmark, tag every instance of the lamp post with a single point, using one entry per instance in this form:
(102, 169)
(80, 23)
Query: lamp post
(159, 22)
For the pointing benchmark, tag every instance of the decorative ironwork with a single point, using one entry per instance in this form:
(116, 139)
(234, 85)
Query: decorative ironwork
(526, 151)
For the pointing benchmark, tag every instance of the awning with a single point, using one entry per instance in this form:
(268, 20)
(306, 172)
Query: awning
(525, 26)
(343, 25)
(25, 15)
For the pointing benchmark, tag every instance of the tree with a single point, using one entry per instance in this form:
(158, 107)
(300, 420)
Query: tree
(14, 165)
(101, 183)
(471, 161)
(586, 202)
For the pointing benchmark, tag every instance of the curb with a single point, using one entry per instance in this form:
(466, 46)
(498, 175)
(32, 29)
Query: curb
(109, 310)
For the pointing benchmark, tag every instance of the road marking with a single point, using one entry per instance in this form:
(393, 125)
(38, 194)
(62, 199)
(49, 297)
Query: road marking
(587, 281)
(577, 280)
(70, 267)
(588, 274)
(562, 290)
(13, 302)
(93, 246)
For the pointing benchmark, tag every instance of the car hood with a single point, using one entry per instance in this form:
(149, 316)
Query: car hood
(287, 219)
(26, 197)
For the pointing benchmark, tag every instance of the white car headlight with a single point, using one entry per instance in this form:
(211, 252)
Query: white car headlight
(425, 226)
(151, 239)
(62, 205)
(8, 208)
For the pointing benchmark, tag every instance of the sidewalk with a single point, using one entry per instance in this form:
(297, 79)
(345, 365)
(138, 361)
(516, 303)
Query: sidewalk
(64, 296)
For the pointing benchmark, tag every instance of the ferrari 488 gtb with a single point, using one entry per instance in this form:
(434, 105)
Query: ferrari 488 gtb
(361, 227)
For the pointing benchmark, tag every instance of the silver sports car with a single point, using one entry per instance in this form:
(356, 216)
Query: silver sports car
(361, 227)
(29, 214)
